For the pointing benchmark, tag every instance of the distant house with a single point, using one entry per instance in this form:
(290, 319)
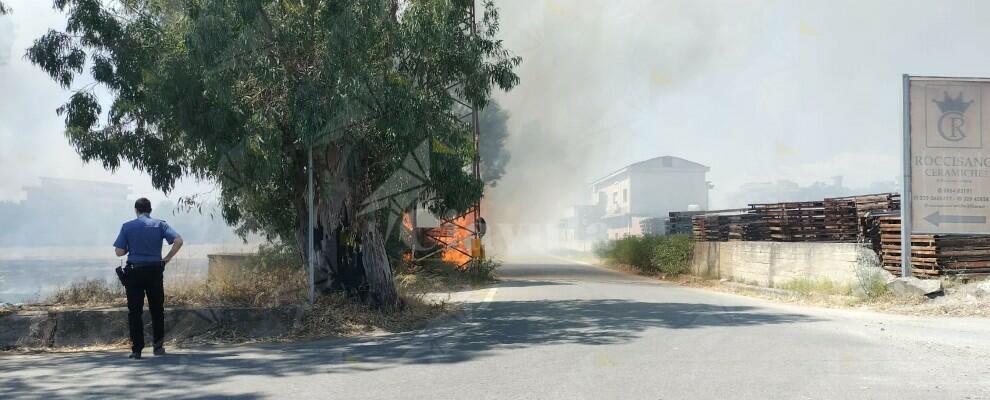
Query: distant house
(650, 188)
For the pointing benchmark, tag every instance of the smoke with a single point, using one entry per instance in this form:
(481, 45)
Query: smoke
(590, 73)
(6, 39)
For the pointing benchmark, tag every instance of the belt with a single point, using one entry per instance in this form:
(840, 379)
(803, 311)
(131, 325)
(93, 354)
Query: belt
(145, 264)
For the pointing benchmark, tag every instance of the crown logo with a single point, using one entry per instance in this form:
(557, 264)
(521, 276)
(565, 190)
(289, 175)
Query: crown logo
(949, 104)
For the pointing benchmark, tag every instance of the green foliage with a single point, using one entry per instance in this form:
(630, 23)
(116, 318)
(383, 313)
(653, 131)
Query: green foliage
(4, 9)
(672, 254)
(494, 132)
(636, 251)
(235, 91)
(669, 254)
(277, 255)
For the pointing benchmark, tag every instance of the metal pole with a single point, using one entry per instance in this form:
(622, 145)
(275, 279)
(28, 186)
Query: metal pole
(310, 253)
(906, 182)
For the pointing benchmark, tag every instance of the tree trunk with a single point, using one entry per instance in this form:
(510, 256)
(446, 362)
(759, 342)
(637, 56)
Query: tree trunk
(377, 268)
(350, 253)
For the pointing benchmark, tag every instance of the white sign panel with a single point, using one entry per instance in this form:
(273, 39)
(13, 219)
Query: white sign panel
(950, 155)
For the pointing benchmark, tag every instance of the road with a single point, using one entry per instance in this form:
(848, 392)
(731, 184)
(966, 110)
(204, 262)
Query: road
(553, 329)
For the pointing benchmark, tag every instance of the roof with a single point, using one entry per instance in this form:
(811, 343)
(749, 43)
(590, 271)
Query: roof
(661, 162)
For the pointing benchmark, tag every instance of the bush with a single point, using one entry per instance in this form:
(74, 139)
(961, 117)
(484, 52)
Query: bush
(672, 254)
(669, 254)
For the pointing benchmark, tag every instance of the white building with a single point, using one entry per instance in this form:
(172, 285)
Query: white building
(650, 188)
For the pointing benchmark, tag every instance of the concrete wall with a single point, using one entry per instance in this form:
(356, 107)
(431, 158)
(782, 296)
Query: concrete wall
(107, 326)
(771, 264)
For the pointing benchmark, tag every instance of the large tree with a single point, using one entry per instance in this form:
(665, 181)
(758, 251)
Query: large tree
(493, 121)
(236, 91)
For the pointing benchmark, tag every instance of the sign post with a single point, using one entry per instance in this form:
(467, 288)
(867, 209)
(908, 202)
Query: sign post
(946, 158)
(906, 181)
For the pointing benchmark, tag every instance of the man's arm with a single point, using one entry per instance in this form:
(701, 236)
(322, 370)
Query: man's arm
(120, 245)
(176, 245)
(173, 238)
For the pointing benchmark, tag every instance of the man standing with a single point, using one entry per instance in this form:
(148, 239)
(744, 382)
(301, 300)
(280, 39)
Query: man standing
(141, 240)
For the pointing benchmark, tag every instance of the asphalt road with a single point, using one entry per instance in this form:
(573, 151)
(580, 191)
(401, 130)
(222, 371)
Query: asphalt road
(559, 330)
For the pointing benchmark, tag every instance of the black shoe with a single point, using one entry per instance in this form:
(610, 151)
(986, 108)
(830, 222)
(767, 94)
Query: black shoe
(134, 355)
(159, 350)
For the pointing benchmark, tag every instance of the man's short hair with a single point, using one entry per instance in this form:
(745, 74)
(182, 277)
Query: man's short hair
(143, 206)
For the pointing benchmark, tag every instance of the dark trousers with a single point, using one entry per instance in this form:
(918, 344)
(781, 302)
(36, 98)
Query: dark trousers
(141, 280)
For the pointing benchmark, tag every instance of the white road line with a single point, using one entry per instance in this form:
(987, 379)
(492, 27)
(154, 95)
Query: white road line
(573, 261)
(490, 295)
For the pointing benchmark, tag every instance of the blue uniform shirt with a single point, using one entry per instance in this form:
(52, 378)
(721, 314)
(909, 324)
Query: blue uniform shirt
(142, 238)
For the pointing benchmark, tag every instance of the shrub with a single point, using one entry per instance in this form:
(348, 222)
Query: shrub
(870, 276)
(672, 254)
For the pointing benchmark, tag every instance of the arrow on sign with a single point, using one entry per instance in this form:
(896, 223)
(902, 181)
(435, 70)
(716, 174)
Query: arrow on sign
(936, 218)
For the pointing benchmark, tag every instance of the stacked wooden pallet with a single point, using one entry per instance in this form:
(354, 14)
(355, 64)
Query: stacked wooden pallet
(710, 228)
(793, 221)
(841, 220)
(933, 255)
(679, 222)
(871, 205)
(652, 226)
(748, 227)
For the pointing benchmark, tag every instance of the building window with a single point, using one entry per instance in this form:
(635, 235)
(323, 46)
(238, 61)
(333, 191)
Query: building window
(625, 196)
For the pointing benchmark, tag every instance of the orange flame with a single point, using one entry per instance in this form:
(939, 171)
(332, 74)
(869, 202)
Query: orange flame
(460, 239)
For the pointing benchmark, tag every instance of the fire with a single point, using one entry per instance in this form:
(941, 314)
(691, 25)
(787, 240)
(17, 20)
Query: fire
(460, 238)
(453, 241)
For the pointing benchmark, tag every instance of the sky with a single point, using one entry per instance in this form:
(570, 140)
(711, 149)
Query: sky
(759, 91)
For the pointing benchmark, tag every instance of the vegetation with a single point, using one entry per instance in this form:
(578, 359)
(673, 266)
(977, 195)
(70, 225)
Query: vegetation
(238, 91)
(440, 276)
(650, 254)
(812, 286)
(493, 121)
(672, 255)
(870, 277)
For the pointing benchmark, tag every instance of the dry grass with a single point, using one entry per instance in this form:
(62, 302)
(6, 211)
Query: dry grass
(335, 315)
(267, 289)
(436, 276)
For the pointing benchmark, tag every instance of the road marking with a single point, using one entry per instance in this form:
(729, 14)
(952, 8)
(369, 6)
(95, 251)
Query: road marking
(490, 295)
(573, 261)
(603, 361)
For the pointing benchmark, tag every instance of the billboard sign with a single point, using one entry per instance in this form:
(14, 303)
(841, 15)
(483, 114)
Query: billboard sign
(949, 155)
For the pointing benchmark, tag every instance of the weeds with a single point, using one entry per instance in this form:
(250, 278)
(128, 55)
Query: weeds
(88, 292)
(870, 277)
(436, 275)
(819, 286)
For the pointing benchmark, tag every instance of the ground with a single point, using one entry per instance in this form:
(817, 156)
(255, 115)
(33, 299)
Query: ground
(560, 330)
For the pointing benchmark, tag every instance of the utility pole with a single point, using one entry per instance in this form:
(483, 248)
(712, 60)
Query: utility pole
(310, 253)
